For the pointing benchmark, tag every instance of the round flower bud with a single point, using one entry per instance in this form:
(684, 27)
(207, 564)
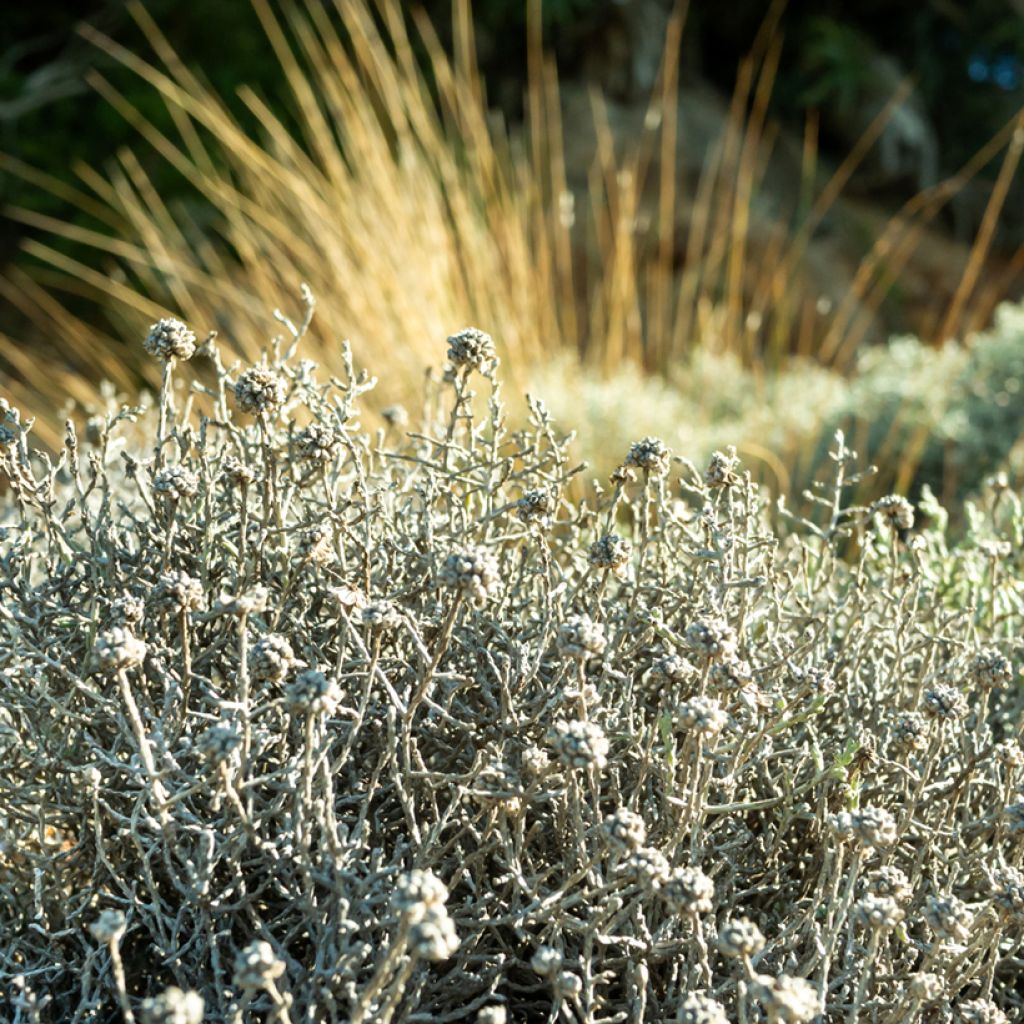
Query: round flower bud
(944, 703)
(948, 917)
(624, 830)
(118, 649)
(910, 732)
(1008, 894)
(315, 544)
(417, 889)
(176, 483)
(1009, 754)
(256, 966)
(731, 675)
(237, 473)
(672, 668)
(721, 471)
(173, 1006)
(610, 552)
(890, 881)
(650, 455)
(170, 339)
(177, 592)
(218, 743)
(788, 1000)
(471, 348)
(989, 669)
(546, 961)
(534, 507)
(580, 637)
(271, 659)
(580, 744)
(699, 1008)
(873, 826)
(433, 936)
(127, 610)
(881, 912)
(318, 443)
(259, 389)
(896, 511)
(311, 691)
(648, 866)
(980, 1011)
(473, 573)
(740, 938)
(689, 891)
(703, 716)
(108, 927)
(925, 987)
(712, 638)
(567, 985)
(379, 615)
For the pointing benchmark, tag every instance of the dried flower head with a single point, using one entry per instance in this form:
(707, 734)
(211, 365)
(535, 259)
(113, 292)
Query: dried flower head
(1008, 893)
(910, 732)
(731, 675)
(580, 637)
(989, 669)
(127, 610)
(788, 1000)
(535, 507)
(980, 1011)
(700, 1008)
(318, 443)
(474, 573)
(672, 668)
(316, 544)
(433, 936)
(567, 985)
(417, 889)
(379, 615)
(546, 961)
(176, 483)
(896, 511)
(948, 917)
(471, 348)
(177, 592)
(878, 912)
(703, 716)
(172, 1006)
(580, 744)
(740, 938)
(271, 659)
(713, 638)
(926, 987)
(236, 472)
(944, 703)
(650, 455)
(889, 880)
(312, 692)
(259, 390)
(721, 471)
(218, 743)
(624, 830)
(610, 552)
(118, 649)
(648, 866)
(170, 339)
(689, 891)
(256, 966)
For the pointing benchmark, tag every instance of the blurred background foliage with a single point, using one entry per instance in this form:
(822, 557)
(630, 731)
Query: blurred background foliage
(809, 82)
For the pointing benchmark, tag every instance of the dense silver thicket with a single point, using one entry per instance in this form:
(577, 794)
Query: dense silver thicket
(301, 723)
